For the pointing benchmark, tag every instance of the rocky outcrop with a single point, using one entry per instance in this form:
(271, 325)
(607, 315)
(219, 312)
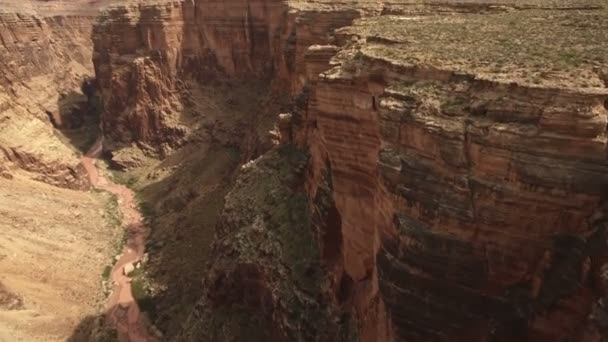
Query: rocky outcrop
(138, 89)
(45, 54)
(465, 203)
(458, 182)
(266, 281)
(143, 53)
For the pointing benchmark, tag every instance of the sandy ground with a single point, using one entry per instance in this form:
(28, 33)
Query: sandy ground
(54, 244)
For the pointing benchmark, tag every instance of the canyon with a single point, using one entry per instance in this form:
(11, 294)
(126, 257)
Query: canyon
(305, 170)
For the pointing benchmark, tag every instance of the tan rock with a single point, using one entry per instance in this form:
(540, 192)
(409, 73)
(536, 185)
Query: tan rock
(128, 269)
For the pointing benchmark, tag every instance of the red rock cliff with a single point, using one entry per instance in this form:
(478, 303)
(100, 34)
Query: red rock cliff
(143, 51)
(469, 207)
(458, 198)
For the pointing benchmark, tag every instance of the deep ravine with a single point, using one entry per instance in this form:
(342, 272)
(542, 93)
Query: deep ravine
(122, 311)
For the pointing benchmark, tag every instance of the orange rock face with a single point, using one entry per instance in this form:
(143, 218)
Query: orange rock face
(46, 53)
(446, 202)
(143, 51)
(491, 187)
(463, 208)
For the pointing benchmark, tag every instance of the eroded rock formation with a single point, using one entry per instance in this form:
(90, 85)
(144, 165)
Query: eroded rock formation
(465, 202)
(451, 174)
(144, 52)
(45, 54)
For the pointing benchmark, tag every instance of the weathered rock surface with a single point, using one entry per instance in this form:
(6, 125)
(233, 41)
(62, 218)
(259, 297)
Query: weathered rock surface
(465, 201)
(144, 52)
(54, 244)
(462, 166)
(45, 54)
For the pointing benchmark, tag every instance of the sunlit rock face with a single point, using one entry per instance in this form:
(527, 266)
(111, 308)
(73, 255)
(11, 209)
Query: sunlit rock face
(46, 50)
(470, 208)
(462, 205)
(143, 53)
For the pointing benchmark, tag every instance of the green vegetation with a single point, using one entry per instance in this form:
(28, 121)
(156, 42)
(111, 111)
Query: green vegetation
(142, 293)
(287, 219)
(113, 219)
(238, 323)
(267, 229)
(125, 178)
(107, 272)
(112, 215)
(121, 242)
(108, 335)
(147, 210)
(400, 5)
(564, 48)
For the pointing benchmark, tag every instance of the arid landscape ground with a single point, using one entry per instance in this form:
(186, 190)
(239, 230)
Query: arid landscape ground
(55, 244)
(303, 170)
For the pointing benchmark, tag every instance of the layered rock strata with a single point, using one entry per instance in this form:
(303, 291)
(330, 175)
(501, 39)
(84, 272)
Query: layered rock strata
(461, 172)
(45, 54)
(465, 201)
(143, 52)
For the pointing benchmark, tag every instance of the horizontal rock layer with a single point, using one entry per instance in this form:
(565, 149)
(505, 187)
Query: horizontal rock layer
(491, 186)
(460, 206)
(43, 60)
(143, 52)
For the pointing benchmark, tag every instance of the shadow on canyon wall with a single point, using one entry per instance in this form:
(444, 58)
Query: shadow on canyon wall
(181, 211)
(181, 200)
(78, 116)
(93, 328)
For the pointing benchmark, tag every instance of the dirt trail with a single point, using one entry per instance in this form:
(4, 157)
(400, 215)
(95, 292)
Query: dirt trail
(122, 309)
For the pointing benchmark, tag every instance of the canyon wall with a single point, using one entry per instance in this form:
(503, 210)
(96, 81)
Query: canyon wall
(45, 55)
(421, 196)
(145, 52)
(491, 198)
(450, 205)
(471, 208)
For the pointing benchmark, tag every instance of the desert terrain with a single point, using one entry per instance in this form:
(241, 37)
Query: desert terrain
(303, 170)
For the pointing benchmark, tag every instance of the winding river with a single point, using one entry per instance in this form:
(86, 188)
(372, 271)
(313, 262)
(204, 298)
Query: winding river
(122, 310)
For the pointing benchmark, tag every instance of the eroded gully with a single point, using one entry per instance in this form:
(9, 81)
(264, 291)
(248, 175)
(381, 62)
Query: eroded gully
(122, 310)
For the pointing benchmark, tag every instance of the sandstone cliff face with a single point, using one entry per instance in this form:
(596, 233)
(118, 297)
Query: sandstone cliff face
(466, 204)
(144, 51)
(462, 196)
(480, 201)
(44, 56)
(138, 89)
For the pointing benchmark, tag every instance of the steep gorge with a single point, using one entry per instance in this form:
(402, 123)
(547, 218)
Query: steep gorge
(430, 183)
(45, 56)
(436, 187)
